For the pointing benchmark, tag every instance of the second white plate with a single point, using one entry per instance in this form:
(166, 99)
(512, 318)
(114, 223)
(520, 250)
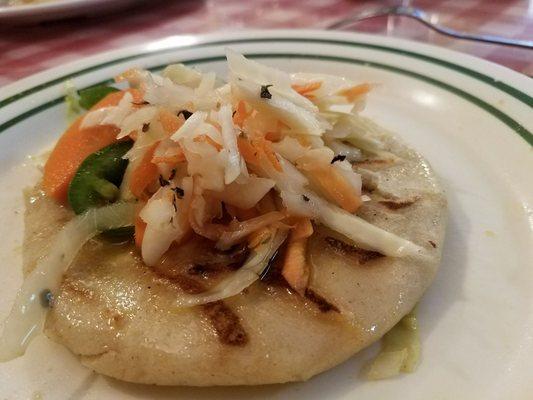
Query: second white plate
(58, 9)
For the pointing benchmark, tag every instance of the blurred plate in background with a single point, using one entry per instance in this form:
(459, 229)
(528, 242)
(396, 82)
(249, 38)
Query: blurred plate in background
(56, 9)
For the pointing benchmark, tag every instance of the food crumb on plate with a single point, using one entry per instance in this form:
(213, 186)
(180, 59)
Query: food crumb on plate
(37, 396)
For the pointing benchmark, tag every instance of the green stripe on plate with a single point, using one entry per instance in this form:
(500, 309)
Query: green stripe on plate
(31, 112)
(519, 95)
(506, 119)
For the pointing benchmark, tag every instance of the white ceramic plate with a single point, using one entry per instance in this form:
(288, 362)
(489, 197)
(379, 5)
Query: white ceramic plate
(470, 118)
(57, 9)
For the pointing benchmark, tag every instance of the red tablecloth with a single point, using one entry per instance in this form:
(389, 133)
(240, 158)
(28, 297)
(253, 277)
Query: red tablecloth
(30, 49)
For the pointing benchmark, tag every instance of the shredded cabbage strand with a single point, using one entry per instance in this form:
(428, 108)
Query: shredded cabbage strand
(242, 278)
(27, 316)
(72, 100)
(363, 233)
(400, 350)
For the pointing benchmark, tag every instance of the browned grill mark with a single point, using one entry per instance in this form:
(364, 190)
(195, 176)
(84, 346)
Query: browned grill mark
(187, 284)
(70, 286)
(363, 255)
(184, 282)
(432, 243)
(198, 269)
(397, 204)
(367, 189)
(226, 323)
(321, 302)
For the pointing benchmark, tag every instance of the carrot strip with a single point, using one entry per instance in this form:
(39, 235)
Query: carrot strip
(274, 136)
(248, 151)
(295, 269)
(309, 87)
(240, 113)
(171, 160)
(352, 93)
(336, 188)
(256, 150)
(303, 229)
(75, 145)
(170, 122)
(265, 148)
(144, 174)
(207, 139)
(258, 237)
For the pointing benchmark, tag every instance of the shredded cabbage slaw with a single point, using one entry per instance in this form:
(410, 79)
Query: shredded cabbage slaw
(238, 144)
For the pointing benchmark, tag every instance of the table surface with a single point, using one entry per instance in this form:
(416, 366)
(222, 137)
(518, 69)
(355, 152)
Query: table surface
(30, 49)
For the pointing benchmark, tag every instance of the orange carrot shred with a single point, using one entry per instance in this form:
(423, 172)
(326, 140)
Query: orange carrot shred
(207, 139)
(303, 229)
(259, 236)
(336, 188)
(266, 147)
(144, 174)
(295, 269)
(248, 151)
(172, 159)
(240, 113)
(275, 136)
(309, 87)
(354, 92)
(169, 121)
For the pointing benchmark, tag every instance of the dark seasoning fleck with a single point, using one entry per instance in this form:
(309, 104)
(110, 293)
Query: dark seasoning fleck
(163, 181)
(174, 203)
(47, 298)
(305, 197)
(265, 94)
(146, 127)
(186, 114)
(338, 157)
(179, 192)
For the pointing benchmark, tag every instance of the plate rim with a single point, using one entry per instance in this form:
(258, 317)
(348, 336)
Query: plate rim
(22, 89)
(499, 74)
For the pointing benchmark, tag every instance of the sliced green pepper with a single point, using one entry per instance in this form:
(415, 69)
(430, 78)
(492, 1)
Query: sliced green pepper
(96, 181)
(92, 95)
